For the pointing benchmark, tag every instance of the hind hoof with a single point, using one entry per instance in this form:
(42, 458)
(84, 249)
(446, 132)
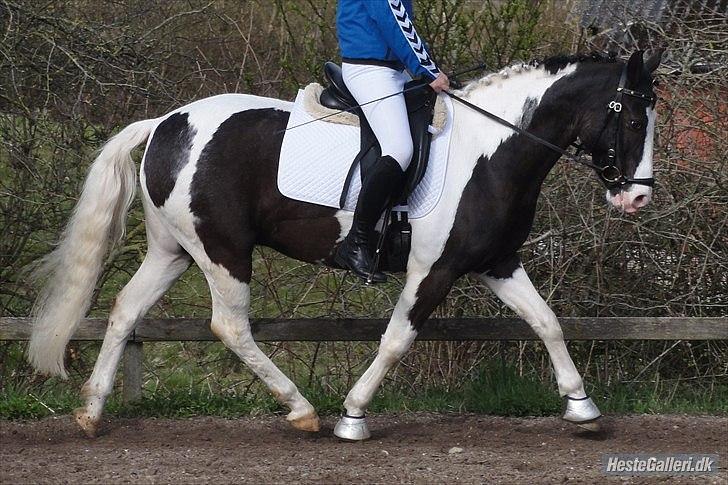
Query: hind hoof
(309, 423)
(89, 425)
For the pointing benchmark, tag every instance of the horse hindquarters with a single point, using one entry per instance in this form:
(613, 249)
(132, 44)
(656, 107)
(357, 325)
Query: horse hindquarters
(203, 176)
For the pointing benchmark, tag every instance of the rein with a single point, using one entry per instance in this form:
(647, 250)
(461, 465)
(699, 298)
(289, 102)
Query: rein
(610, 175)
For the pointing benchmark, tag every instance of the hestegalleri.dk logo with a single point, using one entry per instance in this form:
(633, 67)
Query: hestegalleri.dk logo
(653, 464)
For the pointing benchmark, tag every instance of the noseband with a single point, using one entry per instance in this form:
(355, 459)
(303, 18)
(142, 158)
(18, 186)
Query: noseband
(610, 175)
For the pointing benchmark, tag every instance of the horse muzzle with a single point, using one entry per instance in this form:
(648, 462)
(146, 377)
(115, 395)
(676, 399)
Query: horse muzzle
(632, 199)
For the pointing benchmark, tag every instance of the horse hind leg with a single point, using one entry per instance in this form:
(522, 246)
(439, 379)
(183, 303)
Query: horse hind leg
(423, 291)
(164, 263)
(230, 323)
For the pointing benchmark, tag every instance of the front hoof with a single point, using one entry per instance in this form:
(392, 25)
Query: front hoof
(309, 423)
(352, 428)
(89, 425)
(582, 412)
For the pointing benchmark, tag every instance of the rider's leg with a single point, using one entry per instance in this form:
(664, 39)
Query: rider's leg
(387, 117)
(355, 251)
(388, 120)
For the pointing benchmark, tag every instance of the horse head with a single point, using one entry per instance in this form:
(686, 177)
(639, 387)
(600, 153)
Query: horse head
(620, 138)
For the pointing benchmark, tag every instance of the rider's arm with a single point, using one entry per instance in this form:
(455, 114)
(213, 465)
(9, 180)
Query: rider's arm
(399, 32)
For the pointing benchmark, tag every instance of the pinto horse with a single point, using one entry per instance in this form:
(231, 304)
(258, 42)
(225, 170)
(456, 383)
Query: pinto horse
(208, 179)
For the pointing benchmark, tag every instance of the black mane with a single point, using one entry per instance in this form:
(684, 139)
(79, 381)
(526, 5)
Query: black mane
(555, 63)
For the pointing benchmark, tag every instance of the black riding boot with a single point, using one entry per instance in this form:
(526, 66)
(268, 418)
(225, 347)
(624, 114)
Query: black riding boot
(356, 250)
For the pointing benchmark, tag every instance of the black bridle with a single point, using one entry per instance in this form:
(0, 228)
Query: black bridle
(609, 174)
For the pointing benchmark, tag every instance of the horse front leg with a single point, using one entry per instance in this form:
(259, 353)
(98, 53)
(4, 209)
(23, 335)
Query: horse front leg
(422, 293)
(521, 296)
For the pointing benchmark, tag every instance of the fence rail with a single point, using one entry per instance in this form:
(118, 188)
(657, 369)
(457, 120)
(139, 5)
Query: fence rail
(355, 329)
(368, 329)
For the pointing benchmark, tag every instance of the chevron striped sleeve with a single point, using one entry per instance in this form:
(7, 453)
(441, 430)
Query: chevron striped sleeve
(398, 33)
(399, 12)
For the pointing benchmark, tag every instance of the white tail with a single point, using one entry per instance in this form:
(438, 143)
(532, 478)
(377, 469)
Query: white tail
(72, 269)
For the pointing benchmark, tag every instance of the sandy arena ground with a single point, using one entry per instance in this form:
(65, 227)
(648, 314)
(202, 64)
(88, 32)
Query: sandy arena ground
(404, 448)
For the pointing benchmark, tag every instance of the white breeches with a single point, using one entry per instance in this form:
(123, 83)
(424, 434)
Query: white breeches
(388, 117)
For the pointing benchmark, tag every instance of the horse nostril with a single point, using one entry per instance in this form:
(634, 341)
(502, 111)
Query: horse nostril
(640, 201)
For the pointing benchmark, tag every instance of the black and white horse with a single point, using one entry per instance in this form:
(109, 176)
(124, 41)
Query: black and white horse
(208, 181)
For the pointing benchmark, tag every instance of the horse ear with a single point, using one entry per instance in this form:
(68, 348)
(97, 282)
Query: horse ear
(634, 69)
(652, 58)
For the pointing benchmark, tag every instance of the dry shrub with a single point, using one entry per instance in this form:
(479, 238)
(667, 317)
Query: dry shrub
(71, 73)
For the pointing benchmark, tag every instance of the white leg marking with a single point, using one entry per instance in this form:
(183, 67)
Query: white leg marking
(230, 306)
(520, 295)
(156, 274)
(397, 339)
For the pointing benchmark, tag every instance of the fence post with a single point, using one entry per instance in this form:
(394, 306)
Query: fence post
(132, 374)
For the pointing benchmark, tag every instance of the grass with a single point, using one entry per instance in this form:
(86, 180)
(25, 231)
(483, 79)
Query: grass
(495, 391)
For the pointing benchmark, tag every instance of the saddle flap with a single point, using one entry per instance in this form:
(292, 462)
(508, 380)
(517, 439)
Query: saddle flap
(420, 110)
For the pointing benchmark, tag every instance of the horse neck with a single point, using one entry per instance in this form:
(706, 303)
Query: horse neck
(532, 100)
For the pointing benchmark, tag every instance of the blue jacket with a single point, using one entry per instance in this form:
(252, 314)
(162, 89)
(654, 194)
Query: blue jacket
(382, 30)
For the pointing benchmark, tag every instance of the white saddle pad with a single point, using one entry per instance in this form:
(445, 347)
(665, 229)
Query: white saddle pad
(316, 157)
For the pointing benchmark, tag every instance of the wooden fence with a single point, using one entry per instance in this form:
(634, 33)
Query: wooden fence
(355, 329)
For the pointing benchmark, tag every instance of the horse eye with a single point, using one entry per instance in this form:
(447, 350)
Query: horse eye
(635, 124)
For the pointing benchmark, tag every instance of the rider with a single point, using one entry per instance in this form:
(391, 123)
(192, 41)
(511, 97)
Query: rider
(378, 41)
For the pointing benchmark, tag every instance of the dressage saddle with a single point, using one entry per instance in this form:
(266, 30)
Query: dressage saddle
(420, 103)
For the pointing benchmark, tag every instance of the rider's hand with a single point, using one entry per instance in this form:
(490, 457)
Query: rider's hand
(441, 83)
